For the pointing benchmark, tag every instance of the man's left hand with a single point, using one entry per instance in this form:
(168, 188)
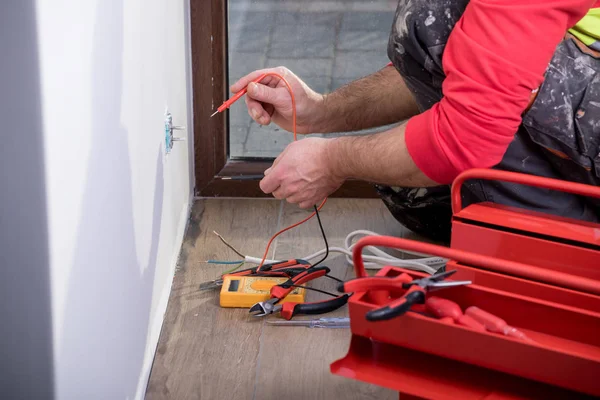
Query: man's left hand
(302, 174)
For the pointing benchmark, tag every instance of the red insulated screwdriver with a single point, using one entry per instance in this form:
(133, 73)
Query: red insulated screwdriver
(493, 323)
(228, 103)
(444, 309)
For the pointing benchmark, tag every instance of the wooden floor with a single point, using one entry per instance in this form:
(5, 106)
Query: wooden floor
(208, 352)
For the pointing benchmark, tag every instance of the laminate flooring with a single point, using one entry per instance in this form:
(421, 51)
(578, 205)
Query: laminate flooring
(208, 352)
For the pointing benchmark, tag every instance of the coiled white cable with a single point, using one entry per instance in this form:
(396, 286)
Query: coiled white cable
(377, 259)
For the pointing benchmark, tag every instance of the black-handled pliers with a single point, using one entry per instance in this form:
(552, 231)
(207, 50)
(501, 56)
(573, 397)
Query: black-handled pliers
(415, 291)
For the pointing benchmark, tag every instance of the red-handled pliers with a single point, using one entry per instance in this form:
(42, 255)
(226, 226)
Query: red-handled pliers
(288, 310)
(415, 291)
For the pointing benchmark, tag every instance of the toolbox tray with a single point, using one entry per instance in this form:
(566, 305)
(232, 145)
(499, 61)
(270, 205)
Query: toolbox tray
(525, 287)
(566, 352)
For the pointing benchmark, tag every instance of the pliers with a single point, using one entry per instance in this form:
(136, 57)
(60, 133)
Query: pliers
(414, 291)
(286, 268)
(289, 310)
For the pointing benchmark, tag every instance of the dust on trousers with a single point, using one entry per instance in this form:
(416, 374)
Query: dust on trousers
(559, 136)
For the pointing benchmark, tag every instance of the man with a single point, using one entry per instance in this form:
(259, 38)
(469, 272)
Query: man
(512, 85)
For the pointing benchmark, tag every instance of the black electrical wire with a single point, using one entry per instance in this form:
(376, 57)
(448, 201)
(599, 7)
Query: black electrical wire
(324, 238)
(334, 278)
(314, 289)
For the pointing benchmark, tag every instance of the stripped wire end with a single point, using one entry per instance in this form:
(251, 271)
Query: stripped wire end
(228, 245)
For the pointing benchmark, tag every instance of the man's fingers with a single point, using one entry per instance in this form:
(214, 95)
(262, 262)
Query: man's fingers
(280, 193)
(269, 109)
(270, 183)
(268, 80)
(295, 198)
(244, 81)
(279, 97)
(257, 112)
(306, 204)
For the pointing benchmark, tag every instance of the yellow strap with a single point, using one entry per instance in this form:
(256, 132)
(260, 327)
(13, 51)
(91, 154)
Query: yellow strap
(588, 28)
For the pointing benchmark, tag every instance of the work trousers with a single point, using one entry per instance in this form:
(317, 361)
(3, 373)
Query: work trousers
(559, 136)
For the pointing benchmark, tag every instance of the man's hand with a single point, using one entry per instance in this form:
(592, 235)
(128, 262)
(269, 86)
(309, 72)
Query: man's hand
(310, 169)
(302, 174)
(376, 100)
(269, 101)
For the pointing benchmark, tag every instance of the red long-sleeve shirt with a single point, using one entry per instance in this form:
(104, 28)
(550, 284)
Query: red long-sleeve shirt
(495, 57)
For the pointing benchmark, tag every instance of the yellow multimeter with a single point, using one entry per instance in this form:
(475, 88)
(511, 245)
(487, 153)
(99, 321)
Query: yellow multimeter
(245, 291)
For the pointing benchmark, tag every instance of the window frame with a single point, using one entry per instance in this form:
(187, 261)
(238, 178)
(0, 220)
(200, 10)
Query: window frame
(208, 24)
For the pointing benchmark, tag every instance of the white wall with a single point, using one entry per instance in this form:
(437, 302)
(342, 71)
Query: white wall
(117, 205)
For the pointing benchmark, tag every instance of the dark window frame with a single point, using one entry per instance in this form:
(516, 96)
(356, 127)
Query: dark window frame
(209, 86)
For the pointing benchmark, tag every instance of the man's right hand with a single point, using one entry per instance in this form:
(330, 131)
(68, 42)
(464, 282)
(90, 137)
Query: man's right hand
(269, 101)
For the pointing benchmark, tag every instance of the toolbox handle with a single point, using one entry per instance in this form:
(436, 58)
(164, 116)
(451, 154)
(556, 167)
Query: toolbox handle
(516, 177)
(555, 278)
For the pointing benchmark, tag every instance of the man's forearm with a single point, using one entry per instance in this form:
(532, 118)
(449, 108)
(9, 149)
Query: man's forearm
(380, 158)
(376, 100)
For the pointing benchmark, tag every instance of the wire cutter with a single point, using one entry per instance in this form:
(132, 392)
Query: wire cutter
(289, 310)
(278, 269)
(414, 291)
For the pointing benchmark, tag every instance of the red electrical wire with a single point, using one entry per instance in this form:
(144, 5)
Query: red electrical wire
(287, 229)
(235, 98)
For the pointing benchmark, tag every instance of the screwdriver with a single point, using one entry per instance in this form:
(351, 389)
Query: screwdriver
(228, 103)
(314, 323)
(448, 309)
(494, 324)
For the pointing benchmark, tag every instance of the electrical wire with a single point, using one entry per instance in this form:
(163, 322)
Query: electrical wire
(334, 278)
(377, 259)
(262, 261)
(315, 290)
(228, 245)
(223, 262)
(289, 88)
(234, 268)
(228, 104)
(324, 238)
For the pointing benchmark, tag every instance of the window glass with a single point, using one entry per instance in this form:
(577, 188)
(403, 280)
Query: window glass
(327, 43)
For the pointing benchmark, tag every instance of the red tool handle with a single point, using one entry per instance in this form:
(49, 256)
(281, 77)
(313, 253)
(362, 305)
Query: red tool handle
(443, 308)
(490, 321)
(504, 266)
(469, 322)
(525, 179)
(493, 323)
(289, 310)
(280, 291)
(374, 283)
(448, 309)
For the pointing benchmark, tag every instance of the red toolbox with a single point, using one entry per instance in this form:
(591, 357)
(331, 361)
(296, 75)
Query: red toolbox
(556, 244)
(553, 298)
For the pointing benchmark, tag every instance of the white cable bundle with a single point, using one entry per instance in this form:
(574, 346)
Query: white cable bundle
(377, 259)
